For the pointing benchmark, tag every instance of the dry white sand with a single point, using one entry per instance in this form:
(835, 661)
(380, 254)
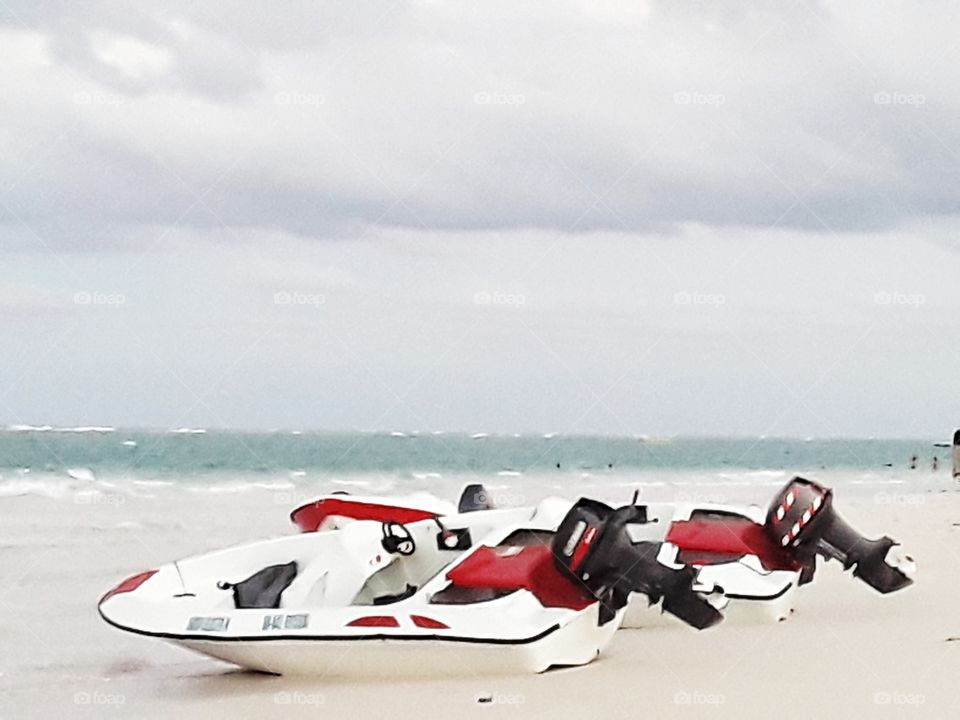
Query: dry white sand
(847, 652)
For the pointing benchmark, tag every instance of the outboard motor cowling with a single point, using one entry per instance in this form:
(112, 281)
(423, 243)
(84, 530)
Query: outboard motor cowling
(474, 498)
(801, 519)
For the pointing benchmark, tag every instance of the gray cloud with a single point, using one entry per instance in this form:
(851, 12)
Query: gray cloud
(323, 119)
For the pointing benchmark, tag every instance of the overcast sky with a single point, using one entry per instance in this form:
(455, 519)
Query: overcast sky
(668, 218)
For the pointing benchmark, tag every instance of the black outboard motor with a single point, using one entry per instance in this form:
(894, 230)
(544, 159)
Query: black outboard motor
(801, 519)
(592, 543)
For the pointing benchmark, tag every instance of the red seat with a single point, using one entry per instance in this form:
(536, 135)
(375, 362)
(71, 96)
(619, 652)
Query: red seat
(521, 568)
(707, 542)
(310, 517)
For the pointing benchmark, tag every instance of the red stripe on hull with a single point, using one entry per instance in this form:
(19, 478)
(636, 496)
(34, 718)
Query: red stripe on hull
(375, 621)
(129, 585)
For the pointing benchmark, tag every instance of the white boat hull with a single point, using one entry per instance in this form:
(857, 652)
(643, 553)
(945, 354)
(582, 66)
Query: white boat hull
(577, 643)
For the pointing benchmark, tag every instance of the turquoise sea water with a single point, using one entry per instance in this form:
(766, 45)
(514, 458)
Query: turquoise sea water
(192, 454)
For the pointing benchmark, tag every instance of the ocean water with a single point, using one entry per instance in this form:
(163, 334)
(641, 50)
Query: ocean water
(189, 453)
(64, 462)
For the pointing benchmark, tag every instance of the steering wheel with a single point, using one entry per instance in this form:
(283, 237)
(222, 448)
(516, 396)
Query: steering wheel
(397, 538)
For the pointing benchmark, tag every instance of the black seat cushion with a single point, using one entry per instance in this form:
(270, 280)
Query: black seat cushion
(264, 588)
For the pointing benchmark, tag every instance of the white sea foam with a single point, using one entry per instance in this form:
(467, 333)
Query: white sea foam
(29, 428)
(189, 431)
(239, 487)
(43, 488)
(82, 474)
(86, 429)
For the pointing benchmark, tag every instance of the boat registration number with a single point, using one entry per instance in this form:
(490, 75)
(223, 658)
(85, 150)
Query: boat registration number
(285, 622)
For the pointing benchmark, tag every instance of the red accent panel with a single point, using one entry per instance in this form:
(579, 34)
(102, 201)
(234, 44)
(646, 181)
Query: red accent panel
(309, 517)
(732, 537)
(704, 557)
(532, 568)
(374, 621)
(129, 585)
(425, 622)
(581, 550)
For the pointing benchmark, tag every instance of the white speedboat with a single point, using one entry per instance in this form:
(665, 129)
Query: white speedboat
(743, 565)
(380, 598)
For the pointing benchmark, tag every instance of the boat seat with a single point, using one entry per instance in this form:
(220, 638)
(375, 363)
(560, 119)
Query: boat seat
(530, 567)
(388, 599)
(717, 540)
(262, 589)
(310, 517)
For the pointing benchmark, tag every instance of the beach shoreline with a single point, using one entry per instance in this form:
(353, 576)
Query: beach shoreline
(847, 651)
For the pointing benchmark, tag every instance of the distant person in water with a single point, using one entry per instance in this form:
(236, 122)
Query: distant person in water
(913, 462)
(935, 465)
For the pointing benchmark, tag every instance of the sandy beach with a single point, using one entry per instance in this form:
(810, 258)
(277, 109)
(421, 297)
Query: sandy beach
(847, 652)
